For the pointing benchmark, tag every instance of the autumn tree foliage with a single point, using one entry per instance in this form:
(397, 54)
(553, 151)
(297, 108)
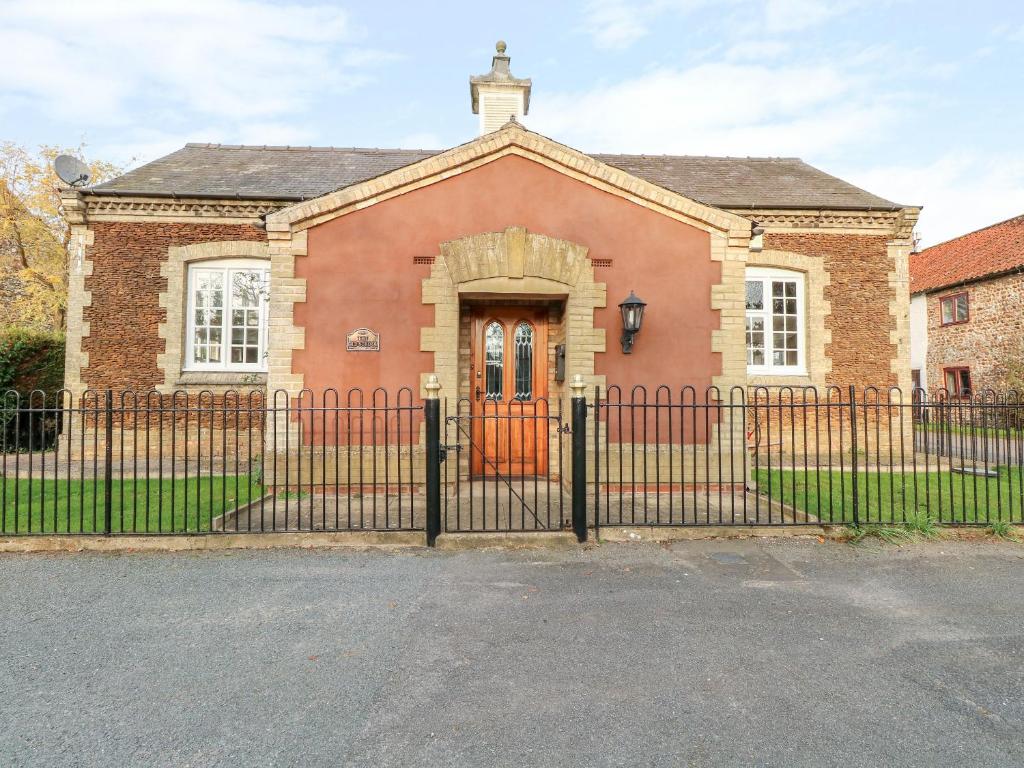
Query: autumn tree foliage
(34, 237)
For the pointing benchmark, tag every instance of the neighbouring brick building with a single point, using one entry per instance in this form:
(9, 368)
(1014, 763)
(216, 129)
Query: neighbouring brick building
(966, 320)
(220, 267)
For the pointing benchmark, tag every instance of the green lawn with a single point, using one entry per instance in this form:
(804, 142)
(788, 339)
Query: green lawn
(159, 506)
(885, 497)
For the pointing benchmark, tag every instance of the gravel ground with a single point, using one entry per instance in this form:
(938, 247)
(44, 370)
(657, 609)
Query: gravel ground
(755, 652)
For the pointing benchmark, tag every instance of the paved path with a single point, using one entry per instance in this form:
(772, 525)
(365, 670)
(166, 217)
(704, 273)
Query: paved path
(485, 506)
(773, 653)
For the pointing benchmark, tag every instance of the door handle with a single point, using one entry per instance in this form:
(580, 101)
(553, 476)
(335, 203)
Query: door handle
(478, 393)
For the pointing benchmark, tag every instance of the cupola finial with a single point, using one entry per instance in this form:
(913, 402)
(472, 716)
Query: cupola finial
(498, 96)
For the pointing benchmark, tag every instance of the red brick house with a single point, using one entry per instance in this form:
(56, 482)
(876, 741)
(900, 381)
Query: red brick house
(221, 267)
(966, 317)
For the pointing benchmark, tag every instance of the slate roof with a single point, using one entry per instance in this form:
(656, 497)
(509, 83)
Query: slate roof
(994, 250)
(748, 182)
(294, 173)
(256, 172)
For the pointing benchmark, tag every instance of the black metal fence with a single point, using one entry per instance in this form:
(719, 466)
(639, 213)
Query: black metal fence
(247, 462)
(238, 462)
(803, 456)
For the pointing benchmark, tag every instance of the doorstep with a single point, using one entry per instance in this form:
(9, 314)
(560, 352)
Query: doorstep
(691, 533)
(514, 540)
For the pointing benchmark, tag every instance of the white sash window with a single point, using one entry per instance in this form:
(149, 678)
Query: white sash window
(227, 316)
(775, 322)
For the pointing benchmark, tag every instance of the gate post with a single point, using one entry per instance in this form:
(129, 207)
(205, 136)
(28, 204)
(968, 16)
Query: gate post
(853, 455)
(108, 456)
(432, 415)
(579, 457)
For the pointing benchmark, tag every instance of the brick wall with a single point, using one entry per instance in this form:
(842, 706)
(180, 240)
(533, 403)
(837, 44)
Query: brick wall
(123, 343)
(988, 342)
(858, 265)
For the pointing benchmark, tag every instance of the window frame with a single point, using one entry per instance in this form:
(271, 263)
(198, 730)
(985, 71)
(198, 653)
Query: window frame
(498, 397)
(516, 394)
(766, 275)
(952, 297)
(227, 266)
(956, 370)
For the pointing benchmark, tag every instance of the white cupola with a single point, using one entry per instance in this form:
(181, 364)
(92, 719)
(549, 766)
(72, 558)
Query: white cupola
(497, 96)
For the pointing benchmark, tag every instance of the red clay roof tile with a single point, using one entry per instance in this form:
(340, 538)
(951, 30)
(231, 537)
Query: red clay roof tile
(990, 251)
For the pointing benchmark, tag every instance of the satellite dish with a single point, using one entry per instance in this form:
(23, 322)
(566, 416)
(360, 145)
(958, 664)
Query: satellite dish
(71, 170)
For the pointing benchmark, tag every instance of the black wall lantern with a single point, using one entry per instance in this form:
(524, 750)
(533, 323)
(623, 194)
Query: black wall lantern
(632, 310)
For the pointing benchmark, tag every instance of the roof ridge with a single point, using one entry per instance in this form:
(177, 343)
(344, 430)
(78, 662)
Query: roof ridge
(699, 157)
(297, 148)
(308, 147)
(972, 232)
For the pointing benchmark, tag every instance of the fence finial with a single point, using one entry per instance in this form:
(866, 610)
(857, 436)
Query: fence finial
(433, 386)
(578, 386)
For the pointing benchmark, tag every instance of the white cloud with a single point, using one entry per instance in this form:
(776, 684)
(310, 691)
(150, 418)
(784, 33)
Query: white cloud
(273, 132)
(1008, 32)
(757, 50)
(719, 109)
(618, 24)
(795, 15)
(178, 63)
(615, 24)
(960, 192)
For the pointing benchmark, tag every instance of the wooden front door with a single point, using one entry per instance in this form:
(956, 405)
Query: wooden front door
(508, 387)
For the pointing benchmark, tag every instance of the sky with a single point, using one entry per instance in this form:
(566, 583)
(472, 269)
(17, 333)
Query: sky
(919, 101)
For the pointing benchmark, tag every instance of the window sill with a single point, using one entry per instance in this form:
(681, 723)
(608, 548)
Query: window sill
(779, 380)
(222, 379)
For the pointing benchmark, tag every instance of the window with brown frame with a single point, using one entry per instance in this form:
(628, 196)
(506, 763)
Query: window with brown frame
(957, 381)
(954, 309)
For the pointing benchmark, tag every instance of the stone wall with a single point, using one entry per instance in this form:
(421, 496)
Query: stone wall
(989, 343)
(859, 292)
(124, 312)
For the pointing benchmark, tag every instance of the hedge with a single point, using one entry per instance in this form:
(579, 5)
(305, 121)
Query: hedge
(29, 360)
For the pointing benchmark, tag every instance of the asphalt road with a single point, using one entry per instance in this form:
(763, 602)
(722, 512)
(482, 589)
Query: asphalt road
(781, 653)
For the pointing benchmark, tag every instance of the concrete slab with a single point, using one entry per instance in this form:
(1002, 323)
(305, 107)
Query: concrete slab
(513, 540)
(217, 541)
(693, 533)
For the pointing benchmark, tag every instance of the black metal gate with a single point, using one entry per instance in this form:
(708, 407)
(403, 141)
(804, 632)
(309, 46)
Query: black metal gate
(483, 489)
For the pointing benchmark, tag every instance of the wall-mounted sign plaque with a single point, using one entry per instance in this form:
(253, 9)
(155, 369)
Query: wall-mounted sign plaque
(363, 340)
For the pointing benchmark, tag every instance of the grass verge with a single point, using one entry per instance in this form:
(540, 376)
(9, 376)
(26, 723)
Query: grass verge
(154, 506)
(900, 498)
